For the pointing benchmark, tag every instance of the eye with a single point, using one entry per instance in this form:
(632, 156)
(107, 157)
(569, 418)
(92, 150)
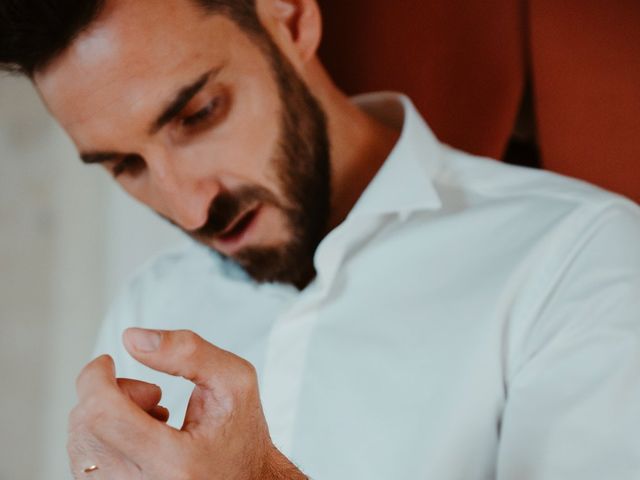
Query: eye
(203, 114)
(129, 164)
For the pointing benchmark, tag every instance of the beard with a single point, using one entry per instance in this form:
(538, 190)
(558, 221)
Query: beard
(302, 166)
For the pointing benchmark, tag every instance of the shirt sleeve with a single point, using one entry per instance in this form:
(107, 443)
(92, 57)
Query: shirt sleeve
(573, 404)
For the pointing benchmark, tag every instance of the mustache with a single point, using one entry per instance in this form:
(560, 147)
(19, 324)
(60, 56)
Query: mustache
(227, 206)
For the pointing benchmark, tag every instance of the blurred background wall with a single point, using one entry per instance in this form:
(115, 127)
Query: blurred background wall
(66, 247)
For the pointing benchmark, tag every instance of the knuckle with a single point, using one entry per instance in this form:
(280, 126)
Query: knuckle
(76, 417)
(248, 370)
(246, 376)
(188, 342)
(103, 361)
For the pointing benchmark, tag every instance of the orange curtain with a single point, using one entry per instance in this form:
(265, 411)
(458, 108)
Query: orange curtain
(586, 71)
(466, 62)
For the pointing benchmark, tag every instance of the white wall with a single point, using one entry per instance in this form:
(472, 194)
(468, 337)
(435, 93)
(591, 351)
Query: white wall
(26, 243)
(135, 233)
(66, 244)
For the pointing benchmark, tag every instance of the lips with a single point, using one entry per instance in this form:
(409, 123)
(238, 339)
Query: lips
(234, 231)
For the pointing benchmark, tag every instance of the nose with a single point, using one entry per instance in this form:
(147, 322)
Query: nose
(183, 197)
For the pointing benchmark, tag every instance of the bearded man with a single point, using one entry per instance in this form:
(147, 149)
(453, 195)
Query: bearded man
(359, 301)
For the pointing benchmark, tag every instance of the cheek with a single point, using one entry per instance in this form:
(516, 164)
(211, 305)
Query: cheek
(245, 145)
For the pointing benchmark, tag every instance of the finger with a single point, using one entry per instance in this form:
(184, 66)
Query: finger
(84, 451)
(142, 437)
(97, 374)
(115, 420)
(143, 394)
(159, 413)
(183, 353)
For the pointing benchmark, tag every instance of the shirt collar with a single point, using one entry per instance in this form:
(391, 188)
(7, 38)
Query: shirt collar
(403, 184)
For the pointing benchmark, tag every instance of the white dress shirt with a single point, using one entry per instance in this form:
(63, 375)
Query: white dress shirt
(470, 320)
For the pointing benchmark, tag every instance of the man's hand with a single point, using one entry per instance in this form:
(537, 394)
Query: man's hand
(119, 426)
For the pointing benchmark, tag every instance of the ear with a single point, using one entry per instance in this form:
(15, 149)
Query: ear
(295, 25)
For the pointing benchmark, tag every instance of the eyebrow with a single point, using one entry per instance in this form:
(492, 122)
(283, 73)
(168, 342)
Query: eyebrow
(172, 110)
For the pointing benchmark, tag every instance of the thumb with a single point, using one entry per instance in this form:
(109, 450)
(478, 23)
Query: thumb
(182, 353)
(220, 376)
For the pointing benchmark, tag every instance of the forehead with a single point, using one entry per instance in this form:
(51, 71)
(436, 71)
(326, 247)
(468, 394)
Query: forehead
(134, 56)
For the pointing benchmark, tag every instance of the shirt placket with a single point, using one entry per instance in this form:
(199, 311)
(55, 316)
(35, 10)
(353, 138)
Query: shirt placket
(291, 334)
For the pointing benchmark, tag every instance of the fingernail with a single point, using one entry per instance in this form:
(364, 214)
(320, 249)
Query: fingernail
(144, 340)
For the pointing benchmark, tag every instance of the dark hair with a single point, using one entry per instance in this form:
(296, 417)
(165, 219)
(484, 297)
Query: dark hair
(34, 32)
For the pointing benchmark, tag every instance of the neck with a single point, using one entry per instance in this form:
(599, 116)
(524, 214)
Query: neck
(359, 146)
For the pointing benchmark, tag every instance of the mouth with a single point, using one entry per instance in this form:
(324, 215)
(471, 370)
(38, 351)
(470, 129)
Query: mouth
(231, 238)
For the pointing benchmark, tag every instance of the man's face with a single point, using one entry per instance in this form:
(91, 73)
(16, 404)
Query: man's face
(213, 131)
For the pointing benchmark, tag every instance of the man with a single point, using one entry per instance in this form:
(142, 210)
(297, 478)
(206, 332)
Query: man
(407, 310)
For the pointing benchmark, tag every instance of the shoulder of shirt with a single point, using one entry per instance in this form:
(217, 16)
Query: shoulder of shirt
(484, 180)
(149, 292)
(169, 269)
